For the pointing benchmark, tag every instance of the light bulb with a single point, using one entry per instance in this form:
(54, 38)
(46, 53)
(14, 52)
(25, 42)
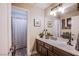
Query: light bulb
(53, 13)
(61, 10)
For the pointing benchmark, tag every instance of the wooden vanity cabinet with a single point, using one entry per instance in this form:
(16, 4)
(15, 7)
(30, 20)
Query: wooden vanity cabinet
(40, 48)
(46, 49)
(50, 53)
(40, 42)
(60, 52)
(49, 47)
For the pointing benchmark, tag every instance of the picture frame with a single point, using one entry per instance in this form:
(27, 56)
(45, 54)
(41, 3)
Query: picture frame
(37, 22)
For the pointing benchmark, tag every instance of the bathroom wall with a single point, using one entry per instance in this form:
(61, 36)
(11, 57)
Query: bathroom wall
(5, 28)
(75, 27)
(34, 13)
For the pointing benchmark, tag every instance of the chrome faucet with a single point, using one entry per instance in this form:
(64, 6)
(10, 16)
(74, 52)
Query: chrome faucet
(69, 42)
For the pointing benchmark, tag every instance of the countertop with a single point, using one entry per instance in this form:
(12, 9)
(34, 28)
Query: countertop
(61, 44)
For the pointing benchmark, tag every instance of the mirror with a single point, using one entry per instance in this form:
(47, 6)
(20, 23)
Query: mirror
(62, 25)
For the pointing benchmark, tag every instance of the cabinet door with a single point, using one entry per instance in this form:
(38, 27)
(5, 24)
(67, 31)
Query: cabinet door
(49, 47)
(44, 51)
(60, 52)
(40, 42)
(50, 53)
(38, 47)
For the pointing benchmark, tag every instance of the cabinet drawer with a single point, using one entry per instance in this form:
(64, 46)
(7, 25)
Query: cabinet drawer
(49, 47)
(60, 52)
(39, 49)
(44, 51)
(40, 42)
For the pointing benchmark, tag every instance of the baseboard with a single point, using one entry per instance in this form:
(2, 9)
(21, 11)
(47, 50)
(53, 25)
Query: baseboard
(34, 52)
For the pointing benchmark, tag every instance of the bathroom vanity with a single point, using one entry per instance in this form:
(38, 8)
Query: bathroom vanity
(48, 47)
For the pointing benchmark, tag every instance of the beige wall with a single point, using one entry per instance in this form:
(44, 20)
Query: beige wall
(34, 13)
(5, 28)
(75, 26)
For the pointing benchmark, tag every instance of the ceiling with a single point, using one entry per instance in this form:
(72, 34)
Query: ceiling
(41, 5)
(38, 5)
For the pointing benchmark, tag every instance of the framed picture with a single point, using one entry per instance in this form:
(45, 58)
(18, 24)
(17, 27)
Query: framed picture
(37, 22)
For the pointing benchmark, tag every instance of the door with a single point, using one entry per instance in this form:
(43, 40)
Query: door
(19, 28)
(19, 33)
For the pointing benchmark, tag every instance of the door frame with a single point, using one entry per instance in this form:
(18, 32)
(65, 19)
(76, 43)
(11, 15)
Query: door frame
(28, 12)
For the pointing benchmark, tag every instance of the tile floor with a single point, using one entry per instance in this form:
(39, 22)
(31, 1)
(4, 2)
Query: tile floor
(21, 52)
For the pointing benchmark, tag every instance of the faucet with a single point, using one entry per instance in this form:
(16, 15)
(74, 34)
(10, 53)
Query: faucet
(69, 42)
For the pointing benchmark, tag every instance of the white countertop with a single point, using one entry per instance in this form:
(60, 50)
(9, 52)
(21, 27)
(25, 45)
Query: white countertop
(59, 43)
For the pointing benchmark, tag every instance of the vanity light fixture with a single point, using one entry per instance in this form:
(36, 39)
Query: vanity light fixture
(56, 9)
(64, 8)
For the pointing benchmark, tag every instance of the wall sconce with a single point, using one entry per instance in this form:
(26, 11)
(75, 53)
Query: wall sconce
(60, 9)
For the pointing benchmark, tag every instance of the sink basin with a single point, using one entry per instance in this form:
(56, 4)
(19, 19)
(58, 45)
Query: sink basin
(53, 38)
(59, 42)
